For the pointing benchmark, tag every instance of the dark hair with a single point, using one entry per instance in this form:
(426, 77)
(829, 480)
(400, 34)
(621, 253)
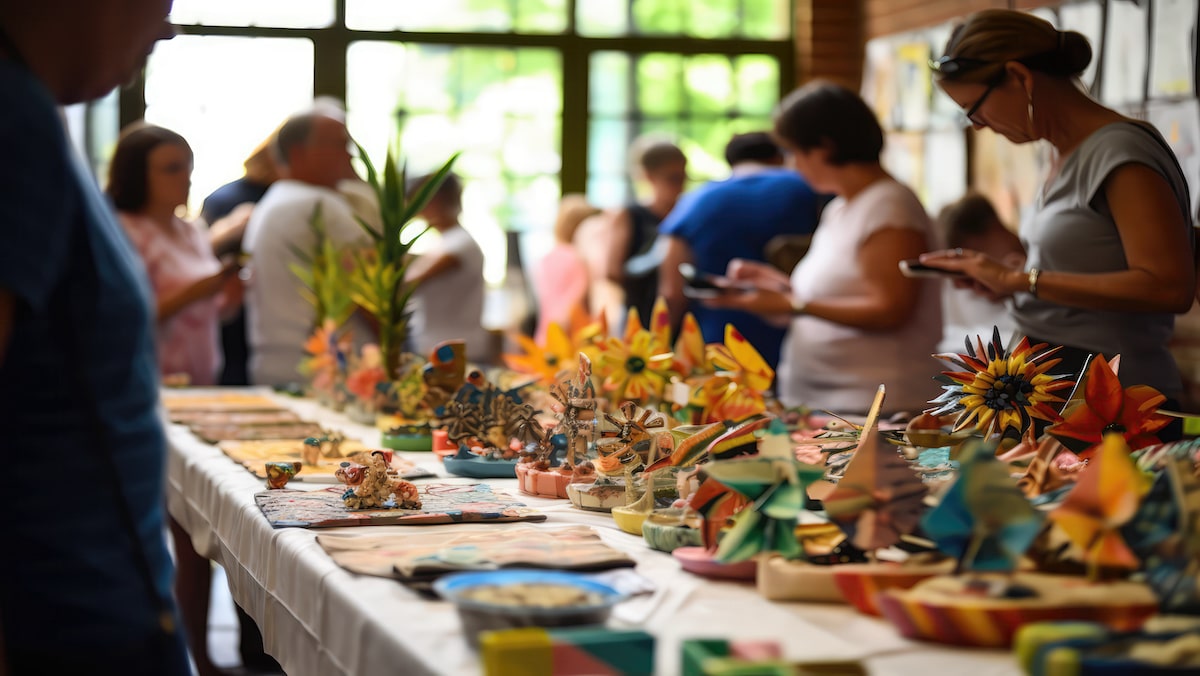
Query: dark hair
(980, 46)
(448, 193)
(652, 152)
(824, 114)
(127, 172)
(292, 134)
(755, 146)
(970, 216)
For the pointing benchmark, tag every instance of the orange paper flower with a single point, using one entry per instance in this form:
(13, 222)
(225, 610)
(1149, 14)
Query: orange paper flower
(1105, 406)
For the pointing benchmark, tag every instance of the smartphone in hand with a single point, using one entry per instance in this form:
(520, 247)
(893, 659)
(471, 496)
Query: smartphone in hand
(701, 285)
(916, 269)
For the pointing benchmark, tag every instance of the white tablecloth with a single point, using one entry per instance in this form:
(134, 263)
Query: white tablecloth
(317, 618)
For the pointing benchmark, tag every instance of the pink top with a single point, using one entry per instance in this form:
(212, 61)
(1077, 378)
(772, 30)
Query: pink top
(188, 342)
(562, 284)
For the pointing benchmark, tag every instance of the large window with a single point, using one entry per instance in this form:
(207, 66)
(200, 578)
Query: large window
(540, 96)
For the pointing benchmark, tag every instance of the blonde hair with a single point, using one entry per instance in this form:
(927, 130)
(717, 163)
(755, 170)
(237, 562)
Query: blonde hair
(994, 37)
(572, 211)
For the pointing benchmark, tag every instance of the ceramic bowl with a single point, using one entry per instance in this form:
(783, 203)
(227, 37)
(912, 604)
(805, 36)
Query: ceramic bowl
(478, 615)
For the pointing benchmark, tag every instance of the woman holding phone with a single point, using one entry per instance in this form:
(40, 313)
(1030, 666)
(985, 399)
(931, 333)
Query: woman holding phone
(1110, 244)
(855, 320)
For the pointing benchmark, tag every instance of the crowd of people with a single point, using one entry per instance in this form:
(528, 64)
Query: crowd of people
(104, 296)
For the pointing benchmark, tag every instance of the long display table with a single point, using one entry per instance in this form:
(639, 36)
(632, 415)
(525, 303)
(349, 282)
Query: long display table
(319, 619)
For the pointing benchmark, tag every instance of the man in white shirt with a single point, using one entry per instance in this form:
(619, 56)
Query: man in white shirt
(448, 301)
(312, 154)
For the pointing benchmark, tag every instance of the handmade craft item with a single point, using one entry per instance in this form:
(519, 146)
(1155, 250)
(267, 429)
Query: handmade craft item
(440, 503)
(491, 427)
(371, 487)
(424, 555)
(578, 410)
(287, 430)
(987, 524)
(218, 402)
(279, 473)
(264, 417)
(1106, 496)
(1092, 649)
(1001, 389)
(596, 651)
(637, 366)
(1101, 406)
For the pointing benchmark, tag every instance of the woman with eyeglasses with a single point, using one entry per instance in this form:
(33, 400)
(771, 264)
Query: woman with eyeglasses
(1110, 244)
(853, 320)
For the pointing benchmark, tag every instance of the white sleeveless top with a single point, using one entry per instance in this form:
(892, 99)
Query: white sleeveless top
(836, 367)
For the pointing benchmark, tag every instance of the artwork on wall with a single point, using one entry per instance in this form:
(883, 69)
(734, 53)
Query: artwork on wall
(1086, 18)
(1125, 53)
(879, 80)
(1008, 174)
(913, 82)
(903, 157)
(1172, 62)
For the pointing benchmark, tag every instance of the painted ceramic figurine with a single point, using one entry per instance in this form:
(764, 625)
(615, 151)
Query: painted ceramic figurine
(370, 487)
(279, 473)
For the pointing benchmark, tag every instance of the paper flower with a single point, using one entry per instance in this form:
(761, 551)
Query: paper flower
(327, 355)
(1104, 407)
(545, 361)
(735, 392)
(368, 373)
(636, 367)
(1104, 499)
(691, 358)
(1000, 389)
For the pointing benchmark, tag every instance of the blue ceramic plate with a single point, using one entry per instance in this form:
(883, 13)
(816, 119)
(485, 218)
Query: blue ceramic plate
(478, 616)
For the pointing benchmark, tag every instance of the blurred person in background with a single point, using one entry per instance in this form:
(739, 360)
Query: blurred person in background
(562, 278)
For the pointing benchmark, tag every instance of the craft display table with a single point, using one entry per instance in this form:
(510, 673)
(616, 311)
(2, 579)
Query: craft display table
(319, 619)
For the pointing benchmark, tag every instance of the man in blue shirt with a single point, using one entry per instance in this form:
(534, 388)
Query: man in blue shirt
(85, 576)
(735, 218)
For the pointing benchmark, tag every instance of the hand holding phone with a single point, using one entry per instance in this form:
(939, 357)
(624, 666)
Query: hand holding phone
(916, 269)
(701, 285)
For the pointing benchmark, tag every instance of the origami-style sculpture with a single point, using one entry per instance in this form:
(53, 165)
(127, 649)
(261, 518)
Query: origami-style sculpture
(1101, 406)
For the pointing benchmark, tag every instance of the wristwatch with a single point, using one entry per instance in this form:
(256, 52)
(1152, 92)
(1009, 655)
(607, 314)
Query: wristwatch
(798, 306)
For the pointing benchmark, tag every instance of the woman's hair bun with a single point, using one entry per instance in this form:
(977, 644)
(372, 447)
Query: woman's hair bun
(1074, 53)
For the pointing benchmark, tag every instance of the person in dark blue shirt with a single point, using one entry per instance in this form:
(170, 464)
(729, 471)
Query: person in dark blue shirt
(735, 218)
(226, 211)
(85, 576)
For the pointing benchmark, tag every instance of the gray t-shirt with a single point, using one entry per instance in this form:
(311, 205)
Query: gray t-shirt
(1073, 231)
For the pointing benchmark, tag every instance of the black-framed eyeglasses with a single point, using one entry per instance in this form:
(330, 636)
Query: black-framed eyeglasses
(970, 112)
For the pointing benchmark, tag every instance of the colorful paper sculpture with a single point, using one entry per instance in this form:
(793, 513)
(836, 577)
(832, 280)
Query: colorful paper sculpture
(776, 485)
(983, 520)
(1101, 406)
(879, 498)
(1106, 496)
(1000, 389)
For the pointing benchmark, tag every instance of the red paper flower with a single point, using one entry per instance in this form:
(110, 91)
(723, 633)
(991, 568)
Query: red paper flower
(1107, 408)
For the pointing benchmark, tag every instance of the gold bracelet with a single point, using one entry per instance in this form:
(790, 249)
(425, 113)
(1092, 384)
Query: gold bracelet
(1034, 273)
(798, 306)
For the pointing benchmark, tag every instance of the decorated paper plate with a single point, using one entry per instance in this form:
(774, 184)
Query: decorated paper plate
(946, 610)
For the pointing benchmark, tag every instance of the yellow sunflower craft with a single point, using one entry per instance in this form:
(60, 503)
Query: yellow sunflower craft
(636, 367)
(1000, 389)
(560, 351)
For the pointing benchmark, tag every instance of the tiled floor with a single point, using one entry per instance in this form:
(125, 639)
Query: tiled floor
(222, 623)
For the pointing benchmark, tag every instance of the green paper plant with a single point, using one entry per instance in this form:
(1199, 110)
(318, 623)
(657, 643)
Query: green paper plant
(377, 281)
(324, 275)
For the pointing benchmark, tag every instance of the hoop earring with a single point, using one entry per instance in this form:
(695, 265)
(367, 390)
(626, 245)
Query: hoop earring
(1029, 111)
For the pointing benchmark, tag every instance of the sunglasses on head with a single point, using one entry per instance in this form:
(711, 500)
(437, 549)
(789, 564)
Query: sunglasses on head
(952, 65)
